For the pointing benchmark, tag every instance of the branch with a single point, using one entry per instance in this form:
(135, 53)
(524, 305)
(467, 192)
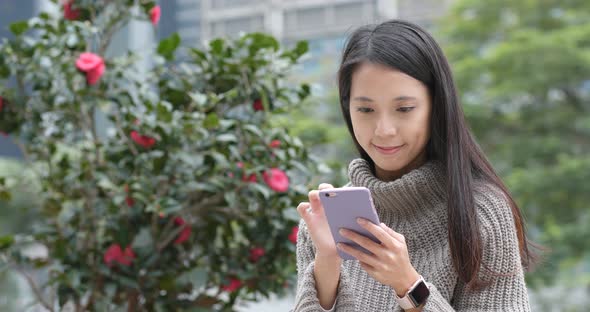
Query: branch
(35, 289)
(207, 202)
(126, 138)
(118, 22)
(97, 160)
(169, 238)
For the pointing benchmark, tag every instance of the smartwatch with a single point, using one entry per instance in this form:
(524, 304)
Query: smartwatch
(415, 297)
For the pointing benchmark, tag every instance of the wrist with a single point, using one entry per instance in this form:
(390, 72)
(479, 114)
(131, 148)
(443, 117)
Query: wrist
(328, 258)
(415, 297)
(404, 284)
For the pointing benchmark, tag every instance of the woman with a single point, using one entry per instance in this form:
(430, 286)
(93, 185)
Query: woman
(451, 237)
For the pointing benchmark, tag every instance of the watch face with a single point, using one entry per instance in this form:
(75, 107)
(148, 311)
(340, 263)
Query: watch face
(419, 294)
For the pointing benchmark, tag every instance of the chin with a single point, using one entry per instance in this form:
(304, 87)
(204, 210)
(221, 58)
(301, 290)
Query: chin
(390, 167)
(389, 164)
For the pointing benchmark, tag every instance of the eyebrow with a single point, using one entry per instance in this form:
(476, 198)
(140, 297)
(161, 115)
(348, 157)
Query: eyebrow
(397, 99)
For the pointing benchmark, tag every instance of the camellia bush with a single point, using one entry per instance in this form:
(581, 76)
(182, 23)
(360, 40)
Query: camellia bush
(184, 199)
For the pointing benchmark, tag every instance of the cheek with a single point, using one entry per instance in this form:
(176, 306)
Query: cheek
(422, 128)
(361, 130)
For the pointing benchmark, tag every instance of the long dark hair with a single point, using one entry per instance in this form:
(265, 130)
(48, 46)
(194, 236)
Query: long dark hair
(408, 48)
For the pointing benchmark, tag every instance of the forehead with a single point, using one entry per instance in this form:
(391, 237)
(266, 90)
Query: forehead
(373, 80)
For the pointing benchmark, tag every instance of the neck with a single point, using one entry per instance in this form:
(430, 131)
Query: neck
(416, 190)
(385, 175)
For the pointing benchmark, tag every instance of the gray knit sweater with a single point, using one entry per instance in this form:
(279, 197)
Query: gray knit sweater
(414, 206)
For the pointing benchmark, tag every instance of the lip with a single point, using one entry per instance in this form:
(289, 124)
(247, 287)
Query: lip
(388, 150)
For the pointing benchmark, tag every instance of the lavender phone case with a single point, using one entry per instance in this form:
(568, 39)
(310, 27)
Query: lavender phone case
(342, 207)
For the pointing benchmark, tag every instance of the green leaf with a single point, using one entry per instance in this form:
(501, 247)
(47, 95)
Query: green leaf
(254, 130)
(261, 41)
(6, 241)
(261, 189)
(5, 195)
(19, 28)
(4, 71)
(211, 121)
(301, 48)
(217, 46)
(143, 239)
(168, 46)
(227, 137)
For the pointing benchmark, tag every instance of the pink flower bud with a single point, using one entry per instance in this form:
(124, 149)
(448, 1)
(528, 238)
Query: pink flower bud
(234, 284)
(155, 14)
(293, 235)
(69, 13)
(256, 253)
(143, 140)
(257, 105)
(185, 234)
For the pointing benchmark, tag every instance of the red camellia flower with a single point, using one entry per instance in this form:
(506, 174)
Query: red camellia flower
(293, 235)
(129, 200)
(234, 284)
(251, 178)
(275, 143)
(277, 180)
(257, 105)
(69, 13)
(256, 253)
(142, 140)
(92, 65)
(185, 234)
(115, 254)
(155, 14)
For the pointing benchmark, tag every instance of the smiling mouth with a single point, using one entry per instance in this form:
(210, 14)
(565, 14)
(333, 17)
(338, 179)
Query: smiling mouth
(388, 149)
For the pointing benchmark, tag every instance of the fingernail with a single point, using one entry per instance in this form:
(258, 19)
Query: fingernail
(342, 231)
(361, 221)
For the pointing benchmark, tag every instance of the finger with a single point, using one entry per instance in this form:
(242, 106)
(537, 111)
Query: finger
(367, 267)
(362, 240)
(357, 254)
(303, 209)
(399, 237)
(314, 201)
(378, 231)
(324, 186)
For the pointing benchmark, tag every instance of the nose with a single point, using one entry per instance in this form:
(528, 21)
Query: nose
(385, 127)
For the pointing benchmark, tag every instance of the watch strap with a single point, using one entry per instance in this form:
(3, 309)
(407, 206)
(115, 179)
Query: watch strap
(406, 302)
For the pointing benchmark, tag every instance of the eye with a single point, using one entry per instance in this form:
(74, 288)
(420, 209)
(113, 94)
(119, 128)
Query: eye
(405, 109)
(364, 109)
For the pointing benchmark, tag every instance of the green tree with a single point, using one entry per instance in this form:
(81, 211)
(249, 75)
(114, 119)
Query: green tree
(523, 69)
(187, 202)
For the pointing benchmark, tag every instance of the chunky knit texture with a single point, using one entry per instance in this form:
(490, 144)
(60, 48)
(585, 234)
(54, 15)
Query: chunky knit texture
(415, 206)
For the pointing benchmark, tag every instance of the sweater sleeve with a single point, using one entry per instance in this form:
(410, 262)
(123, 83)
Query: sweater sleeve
(501, 266)
(306, 299)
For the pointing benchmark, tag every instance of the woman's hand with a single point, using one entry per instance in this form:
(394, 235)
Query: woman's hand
(389, 263)
(312, 213)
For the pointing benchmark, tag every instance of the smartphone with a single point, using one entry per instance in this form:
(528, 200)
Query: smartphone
(342, 207)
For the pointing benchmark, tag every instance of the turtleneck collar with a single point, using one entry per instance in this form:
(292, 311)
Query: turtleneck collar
(416, 190)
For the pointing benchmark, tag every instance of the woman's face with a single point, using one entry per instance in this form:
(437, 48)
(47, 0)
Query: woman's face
(390, 114)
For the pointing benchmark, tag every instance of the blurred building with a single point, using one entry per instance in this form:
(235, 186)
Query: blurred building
(324, 24)
(288, 20)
